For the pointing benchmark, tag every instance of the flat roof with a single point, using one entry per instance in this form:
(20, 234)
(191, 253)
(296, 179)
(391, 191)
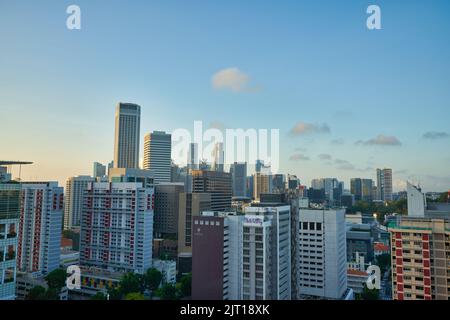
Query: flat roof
(9, 163)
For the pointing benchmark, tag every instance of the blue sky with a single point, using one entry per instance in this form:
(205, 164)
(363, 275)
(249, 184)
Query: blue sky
(313, 63)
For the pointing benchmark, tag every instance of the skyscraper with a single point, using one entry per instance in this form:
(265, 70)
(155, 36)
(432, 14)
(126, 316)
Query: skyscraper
(157, 155)
(321, 253)
(362, 189)
(9, 223)
(167, 198)
(193, 160)
(217, 256)
(238, 176)
(73, 202)
(218, 157)
(419, 257)
(217, 183)
(39, 234)
(384, 184)
(416, 201)
(127, 133)
(117, 227)
(99, 170)
(266, 270)
(261, 184)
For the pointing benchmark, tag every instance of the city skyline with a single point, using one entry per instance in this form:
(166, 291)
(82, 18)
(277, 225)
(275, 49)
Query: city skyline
(344, 108)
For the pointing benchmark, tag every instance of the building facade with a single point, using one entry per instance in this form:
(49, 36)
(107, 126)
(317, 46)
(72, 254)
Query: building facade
(73, 201)
(217, 183)
(117, 227)
(420, 251)
(384, 184)
(127, 135)
(9, 223)
(238, 177)
(157, 155)
(321, 254)
(167, 199)
(40, 225)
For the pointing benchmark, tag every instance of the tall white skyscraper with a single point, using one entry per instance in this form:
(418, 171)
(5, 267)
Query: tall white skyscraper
(117, 226)
(39, 233)
(321, 253)
(126, 138)
(73, 202)
(157, 155)
(384, 184)
(218, 157)
(266, 271)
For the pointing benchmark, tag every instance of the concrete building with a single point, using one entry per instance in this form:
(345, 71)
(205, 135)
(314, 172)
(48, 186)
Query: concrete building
(217, 256)
(330, 187)
(157, 155)
(9, 223)
(190, 205)
(167, 199)
(73, 200)
(26, 282)
(193, 157)
(321, 254)
(168, 268)
(361, 189)
(40, 225)
(127, 135)
(146, 177)
(359, 240)
(384, 184)
(217, 183)
(218, 157)
(238, 178)
(356, 279)
(99, 170)
(261, 184)
(117, 227)
(267, 252)
(419, 258)
(417, 201)
(279, 183)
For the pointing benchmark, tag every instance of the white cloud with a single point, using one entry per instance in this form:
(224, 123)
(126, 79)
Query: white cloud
(231, 79)
(302, 128)
(434, 135)
(298, 157)
(380, 140)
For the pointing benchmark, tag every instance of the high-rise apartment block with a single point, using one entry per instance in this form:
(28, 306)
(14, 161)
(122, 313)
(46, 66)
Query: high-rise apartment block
(321, 254)
(127, 134)
(117, 227)
(40, 224)
(420, 250)
(9, 223)
(73, 202)
(157, 155)
(384, 184)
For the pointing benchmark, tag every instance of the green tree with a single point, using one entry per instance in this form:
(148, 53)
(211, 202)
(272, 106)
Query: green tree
(152, 279)
(185, 285)
(168, 292)
(370, 294)
(384, 262)
(114, 294)
(37, 293)
(56, 279)
(134, 296)
(131, 282)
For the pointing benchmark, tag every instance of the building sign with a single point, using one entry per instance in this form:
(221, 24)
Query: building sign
(253, 221)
